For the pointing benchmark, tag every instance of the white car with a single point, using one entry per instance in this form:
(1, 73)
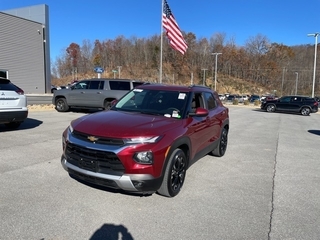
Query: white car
(242, 98)
(222, 97)
(13, 104)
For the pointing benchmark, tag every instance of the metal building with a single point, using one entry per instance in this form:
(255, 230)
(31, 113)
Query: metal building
(25, 49)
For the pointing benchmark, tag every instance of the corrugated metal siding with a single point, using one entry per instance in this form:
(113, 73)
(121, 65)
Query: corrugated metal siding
(22, 52)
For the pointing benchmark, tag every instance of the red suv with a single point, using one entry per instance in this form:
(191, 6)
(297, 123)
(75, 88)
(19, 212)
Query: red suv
(148, 139)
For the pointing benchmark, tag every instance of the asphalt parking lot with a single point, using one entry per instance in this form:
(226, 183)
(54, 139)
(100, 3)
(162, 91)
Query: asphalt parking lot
(267, 186)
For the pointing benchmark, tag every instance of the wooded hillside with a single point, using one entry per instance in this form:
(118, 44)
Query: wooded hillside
(257, 67)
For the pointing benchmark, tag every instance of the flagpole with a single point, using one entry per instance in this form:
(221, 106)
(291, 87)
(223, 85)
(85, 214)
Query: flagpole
(160, 70)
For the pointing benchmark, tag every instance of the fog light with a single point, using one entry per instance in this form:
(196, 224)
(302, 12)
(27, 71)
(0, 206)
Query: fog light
(144, 157)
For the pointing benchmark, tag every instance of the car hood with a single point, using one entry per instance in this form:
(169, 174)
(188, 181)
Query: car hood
(118, 124)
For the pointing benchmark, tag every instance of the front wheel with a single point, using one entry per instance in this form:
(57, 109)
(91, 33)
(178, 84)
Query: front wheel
(61, 105)
(222, 145)
(305, 111)
(175, 173)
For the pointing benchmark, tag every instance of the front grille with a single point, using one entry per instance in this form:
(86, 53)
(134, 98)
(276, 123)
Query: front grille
(94, 160)
(100, 140)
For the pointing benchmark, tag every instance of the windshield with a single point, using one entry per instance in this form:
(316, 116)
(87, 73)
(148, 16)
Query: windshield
(154, 102)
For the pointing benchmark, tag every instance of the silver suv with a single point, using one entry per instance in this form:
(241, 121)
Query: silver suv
(92, 93)
(13, 104)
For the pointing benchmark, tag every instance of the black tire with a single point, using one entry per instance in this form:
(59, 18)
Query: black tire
(174, 175)
(61, 105)
(305, 111)
(223, 143)
(13, 125)
(271, 108)
(107, 105)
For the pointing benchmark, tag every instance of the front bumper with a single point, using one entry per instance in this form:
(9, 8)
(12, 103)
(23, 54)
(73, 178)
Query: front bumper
(138, 183)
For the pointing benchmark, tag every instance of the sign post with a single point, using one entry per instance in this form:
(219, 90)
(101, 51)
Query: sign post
(99, 70)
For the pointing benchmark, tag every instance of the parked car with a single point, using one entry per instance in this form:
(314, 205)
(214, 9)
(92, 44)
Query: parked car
(146, 142)
(254, 98)
(242, 98)
(267, 97)
(92, 93)
(53, 88)
(296, 104)
(231, 97)
(222, 97)
(13, 104)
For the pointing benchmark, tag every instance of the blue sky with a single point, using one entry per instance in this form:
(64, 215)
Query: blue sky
(281, 21)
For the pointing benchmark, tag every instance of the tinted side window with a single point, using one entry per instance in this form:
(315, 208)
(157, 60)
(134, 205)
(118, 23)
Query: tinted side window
(211, 102)
(309, 99)
(81, 85)
(285, 99)
(6, 85)
(119, 85)
(95, 85)
(296, 99)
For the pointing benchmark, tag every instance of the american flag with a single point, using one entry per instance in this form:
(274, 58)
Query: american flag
(173, 32)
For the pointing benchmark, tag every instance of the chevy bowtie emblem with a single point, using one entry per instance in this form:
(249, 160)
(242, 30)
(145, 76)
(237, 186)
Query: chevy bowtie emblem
(93, 138)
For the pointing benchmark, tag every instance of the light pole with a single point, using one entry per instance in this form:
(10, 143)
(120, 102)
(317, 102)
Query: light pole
(215, 70)
(204, 75)
(283, 71)
(297, 76)
(315, 35)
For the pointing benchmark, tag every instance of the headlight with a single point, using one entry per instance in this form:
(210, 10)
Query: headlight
(143, 139)
(70, 128)
(144, 157)
(63, 142)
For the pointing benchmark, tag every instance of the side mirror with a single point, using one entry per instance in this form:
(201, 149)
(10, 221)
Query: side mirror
(200, 112)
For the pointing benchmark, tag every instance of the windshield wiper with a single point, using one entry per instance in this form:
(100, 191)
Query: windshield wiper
(151, 113)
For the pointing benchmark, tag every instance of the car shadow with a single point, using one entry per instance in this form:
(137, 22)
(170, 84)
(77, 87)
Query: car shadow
(281, 112)
(88, 111)
(316, 132)
(29, 123)
(111, 232)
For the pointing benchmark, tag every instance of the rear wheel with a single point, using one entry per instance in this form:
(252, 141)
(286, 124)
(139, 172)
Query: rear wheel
(305, 111)
(271, 108)
(223, 143)
(107, 105)
(175, 173)
(61, 105)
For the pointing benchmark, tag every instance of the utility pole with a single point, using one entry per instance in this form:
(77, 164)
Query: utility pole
(283, 70)
(297, 76)
(119, 69)
(215, 70)
(204, 75)
(315, 35)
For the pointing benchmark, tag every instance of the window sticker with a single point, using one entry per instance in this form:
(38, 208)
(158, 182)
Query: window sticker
(182, 96)
(138, 90)
(175, 114)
